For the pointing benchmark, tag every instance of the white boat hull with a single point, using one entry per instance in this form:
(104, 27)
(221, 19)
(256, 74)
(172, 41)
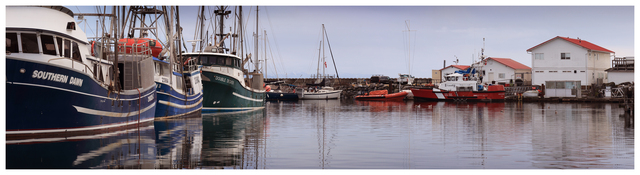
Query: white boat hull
(321, 95)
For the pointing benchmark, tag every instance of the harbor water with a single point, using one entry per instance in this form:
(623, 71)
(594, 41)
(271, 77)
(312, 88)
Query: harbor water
(347, 134)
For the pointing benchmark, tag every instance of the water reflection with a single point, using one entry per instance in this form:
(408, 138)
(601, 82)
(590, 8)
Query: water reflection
(232, 140)
(130, 148)
(572, 136)
(179, 143)
(334, 134)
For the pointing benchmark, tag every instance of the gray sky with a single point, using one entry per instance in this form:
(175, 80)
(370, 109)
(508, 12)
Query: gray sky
(367, 40)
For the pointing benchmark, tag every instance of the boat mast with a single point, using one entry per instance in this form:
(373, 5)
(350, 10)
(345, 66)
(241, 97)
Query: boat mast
(265, 54)
(201, 29)
(319, 54)
(240, 34)
(323, 60)
(256, 62)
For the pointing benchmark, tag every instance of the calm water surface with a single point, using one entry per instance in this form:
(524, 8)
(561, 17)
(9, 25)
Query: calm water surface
(337, 134)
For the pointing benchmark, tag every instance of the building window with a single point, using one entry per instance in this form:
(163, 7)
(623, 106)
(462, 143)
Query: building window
(539, 56)
(553, 71)
(501, 75)
(565, 56)
(566, 71)
(539, 71)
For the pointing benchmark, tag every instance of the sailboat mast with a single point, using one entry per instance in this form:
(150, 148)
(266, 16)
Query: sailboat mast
(323, 61)
(319, 54)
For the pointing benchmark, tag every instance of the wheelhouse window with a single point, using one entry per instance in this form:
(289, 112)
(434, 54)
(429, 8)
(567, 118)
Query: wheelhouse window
(76, 52)
(220, 61)
(565, 56)
(67, 48)
(48, 46)
(229, 63)
(29, 43)
(59, 41)
(12, 43)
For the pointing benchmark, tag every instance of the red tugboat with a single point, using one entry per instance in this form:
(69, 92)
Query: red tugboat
(382, 95)
(460, 87)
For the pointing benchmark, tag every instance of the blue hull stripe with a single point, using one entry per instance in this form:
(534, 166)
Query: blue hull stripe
(112, 114)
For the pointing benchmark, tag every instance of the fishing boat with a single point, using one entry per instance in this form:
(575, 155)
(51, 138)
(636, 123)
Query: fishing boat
(320, 90)
(382, 95)
(179, 92)
(462, 88)
(224, 85)
(54, 85)
(177, 79)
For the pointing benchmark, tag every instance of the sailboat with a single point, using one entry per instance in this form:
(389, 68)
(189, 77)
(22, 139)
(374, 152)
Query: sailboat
(319, 90)
(55, 87)
(224, 85)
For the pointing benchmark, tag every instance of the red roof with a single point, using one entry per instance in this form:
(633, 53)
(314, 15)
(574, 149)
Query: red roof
(461, 67)
(510, 63)
(579, 42)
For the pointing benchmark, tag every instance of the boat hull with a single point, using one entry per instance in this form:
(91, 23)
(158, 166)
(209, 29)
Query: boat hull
(437, 94)
(173, 104)
(335, 94)
(281, 96)
(222, 93)
(45, 99)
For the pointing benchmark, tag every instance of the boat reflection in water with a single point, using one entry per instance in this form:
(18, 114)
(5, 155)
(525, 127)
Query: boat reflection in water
(382, 106)
(233, 140)
(123, 149)
(179, 142)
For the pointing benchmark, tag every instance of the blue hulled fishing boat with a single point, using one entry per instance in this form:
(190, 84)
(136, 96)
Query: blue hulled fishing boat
(177, 79)
(55, 85)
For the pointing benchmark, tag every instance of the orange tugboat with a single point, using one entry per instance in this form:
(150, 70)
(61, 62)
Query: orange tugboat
(382, 95)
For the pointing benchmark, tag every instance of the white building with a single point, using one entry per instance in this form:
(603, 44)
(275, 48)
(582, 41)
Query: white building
(563, 58)
(451, 69)
(621, 70)
(504, 70)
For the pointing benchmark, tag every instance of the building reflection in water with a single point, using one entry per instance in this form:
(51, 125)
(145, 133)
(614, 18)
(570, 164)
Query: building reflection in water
(574, 135)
